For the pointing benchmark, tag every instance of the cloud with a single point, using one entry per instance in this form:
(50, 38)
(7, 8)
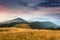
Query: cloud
(50, 3)
(23, 3)
(41, 3)
(29, 4)
(26, 8)
(55, 16)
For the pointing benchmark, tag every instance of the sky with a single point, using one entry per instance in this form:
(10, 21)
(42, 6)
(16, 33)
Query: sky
(36, 10)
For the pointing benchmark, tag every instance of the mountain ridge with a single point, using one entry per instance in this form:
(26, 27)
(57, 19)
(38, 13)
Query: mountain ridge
(42, 25)
(36, 24)
(15, 20)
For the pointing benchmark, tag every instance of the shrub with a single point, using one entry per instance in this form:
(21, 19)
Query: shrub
(22, 26)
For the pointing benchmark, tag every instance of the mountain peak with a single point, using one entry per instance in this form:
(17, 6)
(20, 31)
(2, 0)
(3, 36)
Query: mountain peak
(18, 20)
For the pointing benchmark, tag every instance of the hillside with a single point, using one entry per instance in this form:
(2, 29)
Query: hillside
(42, 25)
(12, 22)
(28, 34)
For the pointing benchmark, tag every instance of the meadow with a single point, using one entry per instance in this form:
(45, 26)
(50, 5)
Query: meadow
(28, 34)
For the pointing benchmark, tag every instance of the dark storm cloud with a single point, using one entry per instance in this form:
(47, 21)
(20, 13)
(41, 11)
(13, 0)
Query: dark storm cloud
(50, 3)
(41, 3)
(10, 3)
(21, 3)
(30, 3)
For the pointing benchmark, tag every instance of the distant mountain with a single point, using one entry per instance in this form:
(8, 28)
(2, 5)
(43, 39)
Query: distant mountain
(13, 22)
(48, 24)
(16, 20)
(39, 25)
(33, 25)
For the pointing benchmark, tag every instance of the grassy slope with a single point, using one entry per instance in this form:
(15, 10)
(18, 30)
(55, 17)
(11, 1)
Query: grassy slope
(28, 34)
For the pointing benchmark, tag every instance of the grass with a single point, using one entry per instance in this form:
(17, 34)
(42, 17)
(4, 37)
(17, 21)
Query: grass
(28, 34)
